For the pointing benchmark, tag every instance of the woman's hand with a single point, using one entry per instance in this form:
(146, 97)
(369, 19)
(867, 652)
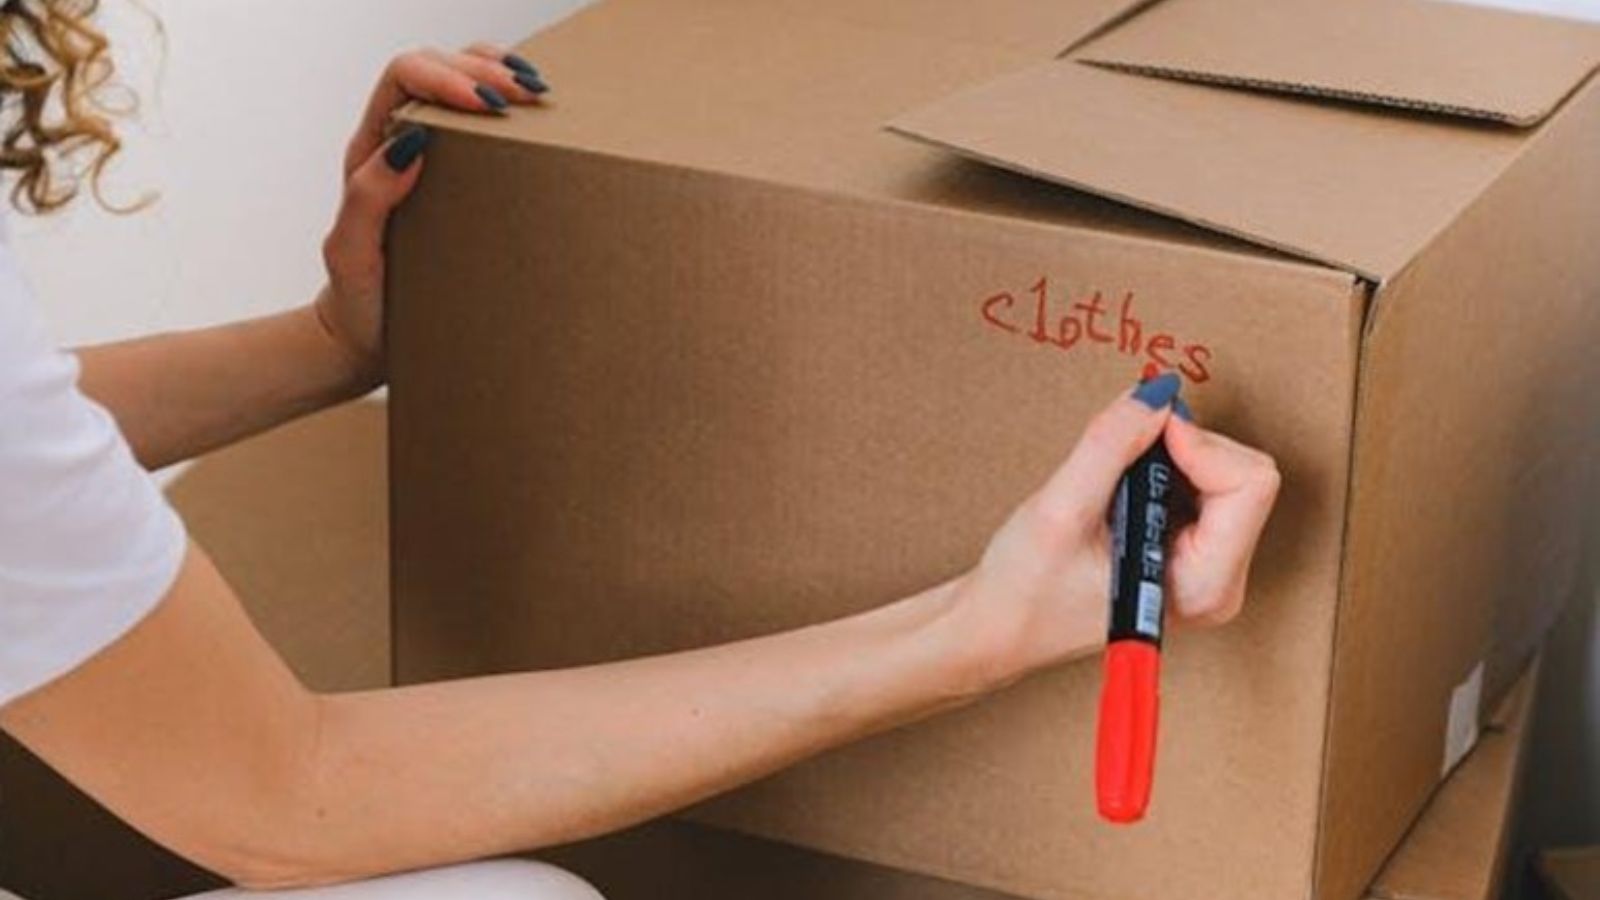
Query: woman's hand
(1039, 595)
(380, 171)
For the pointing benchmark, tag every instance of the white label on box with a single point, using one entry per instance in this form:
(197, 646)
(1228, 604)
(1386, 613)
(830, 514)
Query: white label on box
(1461, 731)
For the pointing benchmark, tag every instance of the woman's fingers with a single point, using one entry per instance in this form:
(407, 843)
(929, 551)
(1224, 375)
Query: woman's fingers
(354, 248)
(510, 84)
(1236, 487)
(464, 81)
(351, 308)
(1077, 495)
(511, 73)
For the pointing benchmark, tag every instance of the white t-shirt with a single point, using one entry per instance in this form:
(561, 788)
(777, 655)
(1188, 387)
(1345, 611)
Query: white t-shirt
(88, 544)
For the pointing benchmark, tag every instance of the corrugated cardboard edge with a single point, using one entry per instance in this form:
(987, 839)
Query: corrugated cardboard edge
(1478, 63)
(1364, 98)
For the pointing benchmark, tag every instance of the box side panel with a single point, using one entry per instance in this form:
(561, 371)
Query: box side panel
(1460, 847)
(1474, 473)
(637, 409)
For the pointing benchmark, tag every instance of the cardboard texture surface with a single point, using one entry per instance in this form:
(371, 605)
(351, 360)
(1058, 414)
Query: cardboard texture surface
(1351, 185)
(1458, 848)
(785, 102)
(746, 361)
(1414, 54)
(1517, 263)
(1456, 851)
(1571, 873)
(798, 462)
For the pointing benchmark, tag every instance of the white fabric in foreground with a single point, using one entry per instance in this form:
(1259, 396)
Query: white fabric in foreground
(501, 879)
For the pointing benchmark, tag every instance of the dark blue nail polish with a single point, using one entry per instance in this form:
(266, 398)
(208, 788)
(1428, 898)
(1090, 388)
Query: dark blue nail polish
(1181, 410)
(406, 147)
(517, 64)
(1159, 391)
(492, 98)
(531, 83)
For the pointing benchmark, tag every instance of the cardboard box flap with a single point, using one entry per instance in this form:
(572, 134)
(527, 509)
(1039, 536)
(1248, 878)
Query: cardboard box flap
(1335, 183)
(1445, 58)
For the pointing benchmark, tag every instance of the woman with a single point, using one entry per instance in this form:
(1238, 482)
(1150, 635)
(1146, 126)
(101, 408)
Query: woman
(127, 663)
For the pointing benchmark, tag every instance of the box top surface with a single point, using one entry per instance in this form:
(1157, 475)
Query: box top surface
(798, 94)
(1346, 134)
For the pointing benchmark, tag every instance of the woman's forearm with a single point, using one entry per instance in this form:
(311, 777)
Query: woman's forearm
(180, 394)
(193, 730)
(461, 769)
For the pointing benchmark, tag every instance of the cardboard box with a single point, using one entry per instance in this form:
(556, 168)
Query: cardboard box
(1571, 873)
(701, 350)
(251, 505)
(1457, 850)
(1460, 848)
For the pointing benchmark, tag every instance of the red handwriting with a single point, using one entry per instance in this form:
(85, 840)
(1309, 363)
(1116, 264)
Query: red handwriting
(1090, 321)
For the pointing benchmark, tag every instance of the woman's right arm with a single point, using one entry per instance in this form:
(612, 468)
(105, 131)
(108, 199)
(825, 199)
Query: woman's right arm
(195, 732)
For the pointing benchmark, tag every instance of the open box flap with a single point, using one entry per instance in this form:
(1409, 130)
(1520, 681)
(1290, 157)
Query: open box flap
(1343, 177)
(1417, 54)
(1337, 183)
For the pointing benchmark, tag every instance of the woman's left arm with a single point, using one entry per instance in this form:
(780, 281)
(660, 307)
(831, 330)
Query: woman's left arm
(178, 395)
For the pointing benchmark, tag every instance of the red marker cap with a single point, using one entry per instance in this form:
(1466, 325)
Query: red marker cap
(1125, 751)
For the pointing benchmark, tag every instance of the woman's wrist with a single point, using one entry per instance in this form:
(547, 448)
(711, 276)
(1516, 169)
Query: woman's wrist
(997, 641)
(355, 371)
(977, 652)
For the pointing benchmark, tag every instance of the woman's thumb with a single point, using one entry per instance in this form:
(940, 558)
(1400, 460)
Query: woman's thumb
(371, 193)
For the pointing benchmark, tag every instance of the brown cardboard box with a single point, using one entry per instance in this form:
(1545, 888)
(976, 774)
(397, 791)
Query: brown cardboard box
(1460, 847)
(700, 350)
(1456, 851)
(253, 505)
(1571, 873)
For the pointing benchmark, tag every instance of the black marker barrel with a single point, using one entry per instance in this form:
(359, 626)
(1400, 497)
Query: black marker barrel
(1141, 518)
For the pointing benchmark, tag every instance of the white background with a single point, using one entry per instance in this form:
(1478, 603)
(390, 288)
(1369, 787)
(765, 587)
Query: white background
(242, 128)
(246, 110)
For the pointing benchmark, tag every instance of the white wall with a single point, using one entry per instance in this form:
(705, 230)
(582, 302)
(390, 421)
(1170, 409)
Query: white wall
(245, 116)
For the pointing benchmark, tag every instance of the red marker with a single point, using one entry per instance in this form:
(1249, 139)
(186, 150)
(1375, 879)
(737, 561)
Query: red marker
(1125, 750)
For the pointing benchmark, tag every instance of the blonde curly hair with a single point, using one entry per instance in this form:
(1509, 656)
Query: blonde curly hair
(55, 129)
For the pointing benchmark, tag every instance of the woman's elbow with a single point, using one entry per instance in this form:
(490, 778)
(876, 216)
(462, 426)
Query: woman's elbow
(266, 827)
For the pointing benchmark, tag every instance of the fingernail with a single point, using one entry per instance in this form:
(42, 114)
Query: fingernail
(517, 64)
(1159, 391)
(1181, 409)
(492, 98)
(406, 147)
(531, 83)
